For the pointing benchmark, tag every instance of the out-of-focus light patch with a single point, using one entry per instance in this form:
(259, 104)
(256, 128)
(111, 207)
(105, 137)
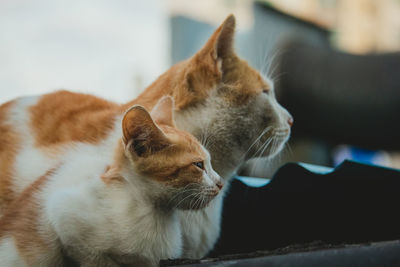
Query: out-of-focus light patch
(316, 168)
(214, 11)
(260, 182)
(373, 157)
(253, 181)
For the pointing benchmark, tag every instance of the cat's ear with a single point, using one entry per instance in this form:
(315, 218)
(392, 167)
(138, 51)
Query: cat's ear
(140, 133)
(206, 68)
(220, 44)
(163, 111)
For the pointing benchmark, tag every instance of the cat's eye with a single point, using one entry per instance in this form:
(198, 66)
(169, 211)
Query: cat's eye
(199, 164)
(266, 91)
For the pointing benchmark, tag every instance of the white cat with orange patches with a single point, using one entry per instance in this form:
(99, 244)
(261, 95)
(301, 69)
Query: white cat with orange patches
(219, 98)
(114, 203)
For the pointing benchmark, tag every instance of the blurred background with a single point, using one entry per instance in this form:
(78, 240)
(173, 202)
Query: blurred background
(335, 63)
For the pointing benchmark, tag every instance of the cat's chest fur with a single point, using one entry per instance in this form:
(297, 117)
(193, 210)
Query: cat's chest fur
(113, 221)
(139, 227)
(200, 229)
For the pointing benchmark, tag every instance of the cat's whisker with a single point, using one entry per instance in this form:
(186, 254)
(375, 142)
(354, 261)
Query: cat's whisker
(287, 145)
(265, 147)
(196, 200)
(264, 64)
(270, 72)
(182, 191)
(208, 137)
(188, 196)
(272, 143)
(268, 59)
(259, 153)
(204, 200)
(193, 201)
(179, 194)
(266, 143)
(177, 204)
(255, 142)
(277, 76)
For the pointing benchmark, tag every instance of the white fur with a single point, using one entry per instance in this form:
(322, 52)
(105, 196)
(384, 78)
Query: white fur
(30, 162)
(9, 254)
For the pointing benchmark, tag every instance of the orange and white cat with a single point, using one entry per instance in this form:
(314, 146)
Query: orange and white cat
(115, 202)
(219, 99)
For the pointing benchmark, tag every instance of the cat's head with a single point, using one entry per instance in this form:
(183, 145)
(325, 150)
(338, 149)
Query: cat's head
(227, 104)
(173, 162)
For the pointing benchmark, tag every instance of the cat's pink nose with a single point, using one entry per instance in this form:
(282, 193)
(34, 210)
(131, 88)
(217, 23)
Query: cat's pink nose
(290, 121)
(219, 184)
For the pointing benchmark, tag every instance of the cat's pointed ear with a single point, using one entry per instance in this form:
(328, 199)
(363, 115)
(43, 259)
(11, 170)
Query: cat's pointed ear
(140, 133)
(163, 111)
(220, 44)
(206, 68)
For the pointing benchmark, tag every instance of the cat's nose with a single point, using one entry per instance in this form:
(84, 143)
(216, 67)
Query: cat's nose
(220, 184)
(290, 121)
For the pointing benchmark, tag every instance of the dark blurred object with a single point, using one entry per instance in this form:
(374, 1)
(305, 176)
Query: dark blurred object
(315, 254)
(271, 28)
(341, 98)
(306, 216)
(356, 203)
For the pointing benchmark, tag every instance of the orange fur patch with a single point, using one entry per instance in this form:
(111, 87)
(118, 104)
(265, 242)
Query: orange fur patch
(21, 221)
(174, 165)
(9, 141)
(241, 81)
(64, 116)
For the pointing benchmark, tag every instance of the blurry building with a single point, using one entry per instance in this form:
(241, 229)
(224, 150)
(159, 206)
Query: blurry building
(359, 26)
